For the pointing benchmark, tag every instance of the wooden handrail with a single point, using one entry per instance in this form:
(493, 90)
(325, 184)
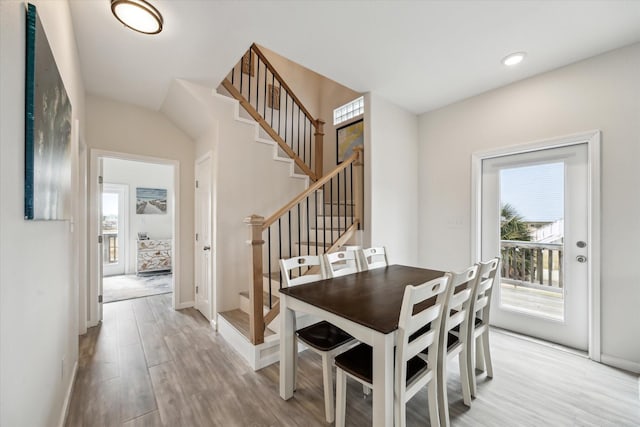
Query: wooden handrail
(283, 84)
(318, 184)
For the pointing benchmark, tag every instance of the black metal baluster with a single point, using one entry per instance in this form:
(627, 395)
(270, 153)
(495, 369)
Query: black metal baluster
(346, 199)
(264, 106)
(331, 206)
(298, 132)
(258, 86)
(272, 95)
(290, 243)
(299, 239)
(308, 230)
(352, 198)
(269, 265)
(286, 115)
(324, 218)
(304, 148)
(315, 196)
(338, 188)
(280, 245)
(233, 72)
(279, 109)
(249, 74)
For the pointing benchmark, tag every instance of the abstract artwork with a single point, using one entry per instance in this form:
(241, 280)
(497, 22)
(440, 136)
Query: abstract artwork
(347, 138)
(273, 99)
(47, 188)
(248, 63)
(151, 200)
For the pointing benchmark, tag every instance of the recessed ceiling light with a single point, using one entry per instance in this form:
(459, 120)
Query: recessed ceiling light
(138, 15)
(513, 59)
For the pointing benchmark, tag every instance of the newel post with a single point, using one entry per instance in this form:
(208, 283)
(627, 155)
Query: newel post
(358, 186)
(319, 139)
(256, 320)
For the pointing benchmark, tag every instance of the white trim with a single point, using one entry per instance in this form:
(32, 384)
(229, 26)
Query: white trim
(96, 154)
(186, 304)
(592, 139)
(625, 364)
(67, 398)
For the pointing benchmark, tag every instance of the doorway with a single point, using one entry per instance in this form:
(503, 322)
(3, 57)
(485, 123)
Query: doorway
(536, 208)
(135, 215)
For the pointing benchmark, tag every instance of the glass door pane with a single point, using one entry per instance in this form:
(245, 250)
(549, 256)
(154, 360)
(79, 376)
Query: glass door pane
(110, 226)
(532, 239)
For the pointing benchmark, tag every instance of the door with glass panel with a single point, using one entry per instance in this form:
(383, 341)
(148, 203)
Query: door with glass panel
(535, 216)
(114, 222)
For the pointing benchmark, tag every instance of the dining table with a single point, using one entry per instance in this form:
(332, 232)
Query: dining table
(367, 306)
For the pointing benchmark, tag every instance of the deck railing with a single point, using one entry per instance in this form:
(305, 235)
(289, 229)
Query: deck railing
(110, 255)
(532, 264)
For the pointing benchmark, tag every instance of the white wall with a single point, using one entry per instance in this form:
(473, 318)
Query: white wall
(38, 276)
(391, 179)
(599, 93)
(136, 174)
(123, 128)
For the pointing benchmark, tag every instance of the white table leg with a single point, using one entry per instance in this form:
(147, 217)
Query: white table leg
(383, 380)
(287, 349)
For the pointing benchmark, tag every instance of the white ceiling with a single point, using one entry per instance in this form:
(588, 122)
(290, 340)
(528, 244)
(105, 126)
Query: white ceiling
(420, 55)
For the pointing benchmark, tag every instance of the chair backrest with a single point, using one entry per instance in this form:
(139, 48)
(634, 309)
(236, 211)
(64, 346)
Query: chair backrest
(341, 263)
(458, 303)
(481, 298)
(422, 328)
(302, 264)
(371, 258)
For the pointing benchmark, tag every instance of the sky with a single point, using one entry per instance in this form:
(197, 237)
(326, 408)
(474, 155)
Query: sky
(536, 192)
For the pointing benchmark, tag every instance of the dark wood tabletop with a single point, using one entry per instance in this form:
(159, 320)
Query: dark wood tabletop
(371, 298)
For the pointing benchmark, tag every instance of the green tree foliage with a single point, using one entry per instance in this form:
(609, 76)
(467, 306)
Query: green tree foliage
(512, 224)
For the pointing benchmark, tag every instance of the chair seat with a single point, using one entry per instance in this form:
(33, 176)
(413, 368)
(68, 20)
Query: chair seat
(323, 336)
(358, 362)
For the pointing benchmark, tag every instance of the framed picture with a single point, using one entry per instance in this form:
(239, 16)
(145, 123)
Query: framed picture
(151, 200)
(47, 160)
(347, 138)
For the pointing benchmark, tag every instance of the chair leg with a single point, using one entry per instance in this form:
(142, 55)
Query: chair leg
(487, 353)
(443, 400)
(341, 397)
(464, 376)
(327, 381)
(400, 411)
(433, 402)
(295, 363)
(479, 359)
(471, 366)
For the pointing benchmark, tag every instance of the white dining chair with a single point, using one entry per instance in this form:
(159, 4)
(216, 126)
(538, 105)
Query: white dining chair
(323, 338)
(415, 333)
(453, 338)
(479, 353)
(371, 258)
(341, 263)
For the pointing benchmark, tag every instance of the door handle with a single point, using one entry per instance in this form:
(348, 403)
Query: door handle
(206, 248)
(581, 258)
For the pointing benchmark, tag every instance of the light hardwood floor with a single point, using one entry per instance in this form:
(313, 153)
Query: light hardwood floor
(148, 365)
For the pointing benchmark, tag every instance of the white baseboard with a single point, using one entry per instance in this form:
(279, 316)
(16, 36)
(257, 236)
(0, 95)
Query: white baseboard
(186, 304)
(617, 362)
(214, 325)
(67, 398)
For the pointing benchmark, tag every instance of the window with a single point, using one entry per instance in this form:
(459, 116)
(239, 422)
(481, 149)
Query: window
(348, 111)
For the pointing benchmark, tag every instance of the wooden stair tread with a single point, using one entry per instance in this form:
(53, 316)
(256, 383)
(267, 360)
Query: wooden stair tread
(240, 321)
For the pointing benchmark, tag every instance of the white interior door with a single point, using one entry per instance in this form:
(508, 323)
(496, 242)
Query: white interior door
(114, 228)
(203, 250)
(535, 216)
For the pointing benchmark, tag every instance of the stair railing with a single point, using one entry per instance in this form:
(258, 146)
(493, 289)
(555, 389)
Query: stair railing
(263, 93)
(296, 229)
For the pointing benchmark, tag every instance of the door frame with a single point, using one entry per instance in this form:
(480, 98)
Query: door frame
(94, 313)
(592, 139)
(124, 244)
(213, 254)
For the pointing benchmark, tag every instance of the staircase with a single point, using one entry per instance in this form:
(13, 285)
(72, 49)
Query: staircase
(320, 219)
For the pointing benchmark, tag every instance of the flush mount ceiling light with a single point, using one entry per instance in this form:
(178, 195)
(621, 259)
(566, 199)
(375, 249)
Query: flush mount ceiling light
(138, 15)
(513, 59)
